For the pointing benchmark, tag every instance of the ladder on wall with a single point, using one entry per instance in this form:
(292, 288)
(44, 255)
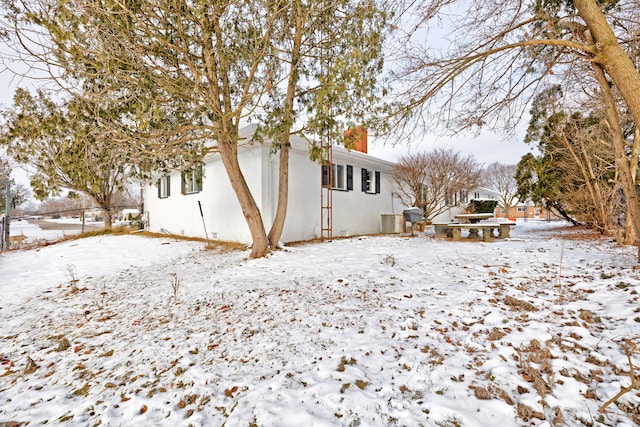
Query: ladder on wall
(326, 184)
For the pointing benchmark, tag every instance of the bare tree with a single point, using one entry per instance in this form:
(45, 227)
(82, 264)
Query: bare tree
(19, 192)
(410, 180)
(5, 170)
(427, 180)
(502, 179)
(588, 173)
(495, 62)
(504, 52)
(576, 173)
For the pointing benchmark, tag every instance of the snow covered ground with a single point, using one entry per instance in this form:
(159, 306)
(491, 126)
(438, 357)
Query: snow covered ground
(33, 233)
(372, 331)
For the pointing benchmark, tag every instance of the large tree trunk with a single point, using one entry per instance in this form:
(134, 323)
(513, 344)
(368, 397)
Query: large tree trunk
(612, 57)
(225, 118)
(104, 204)
(630, 234)
(283, 197)
(283, 176)
(229, 155)
(106, 215)
(617, 64)
(622, 162)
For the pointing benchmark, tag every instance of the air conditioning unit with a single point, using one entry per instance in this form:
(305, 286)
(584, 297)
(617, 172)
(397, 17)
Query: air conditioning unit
(392, 223)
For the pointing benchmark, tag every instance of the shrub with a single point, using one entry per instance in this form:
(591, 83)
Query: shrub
(482, 206)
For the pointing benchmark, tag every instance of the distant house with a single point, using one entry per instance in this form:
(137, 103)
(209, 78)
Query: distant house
(93, 214)
(458, 202)
(128, 214)
(361, 192)
(524, 210)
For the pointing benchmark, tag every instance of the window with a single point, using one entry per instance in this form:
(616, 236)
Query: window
(164, 187)
(476, 195)
(341, 177)
(464, 197)
(370, 181)
(448, 201)
(192, 180)
(521, 209)
(456, 198)
(424, 194)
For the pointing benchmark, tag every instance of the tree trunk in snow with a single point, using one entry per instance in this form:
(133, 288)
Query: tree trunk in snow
(613, 60)
(620, 155)
(283, 196)
(229, 155)
(630, 234)
(106, 215)
(283, 175)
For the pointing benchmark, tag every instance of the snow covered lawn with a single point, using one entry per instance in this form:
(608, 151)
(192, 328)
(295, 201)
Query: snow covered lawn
(373, 331)
(31, 234)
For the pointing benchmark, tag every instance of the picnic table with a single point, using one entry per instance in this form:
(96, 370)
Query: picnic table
(454, 230)
(472, 218)
(486, 228)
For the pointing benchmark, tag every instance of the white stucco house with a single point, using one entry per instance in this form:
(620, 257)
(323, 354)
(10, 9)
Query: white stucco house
(361, 194)
(457, 203)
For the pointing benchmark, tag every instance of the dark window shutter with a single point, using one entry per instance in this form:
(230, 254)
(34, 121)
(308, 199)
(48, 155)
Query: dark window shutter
(168, 178)
(325, 175)
(183, 182)
(377, 182)
(159, 188)
(364, 180)
(349, 178)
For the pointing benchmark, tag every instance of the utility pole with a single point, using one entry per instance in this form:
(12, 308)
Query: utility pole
(82, 200)
(7, 215)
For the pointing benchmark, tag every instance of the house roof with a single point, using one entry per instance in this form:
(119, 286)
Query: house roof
(485, 190)
(301, 144)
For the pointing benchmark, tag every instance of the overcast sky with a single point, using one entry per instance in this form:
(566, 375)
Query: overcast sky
(487, 148)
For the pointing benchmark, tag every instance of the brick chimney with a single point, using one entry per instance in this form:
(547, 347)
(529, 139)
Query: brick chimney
(356, 139)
